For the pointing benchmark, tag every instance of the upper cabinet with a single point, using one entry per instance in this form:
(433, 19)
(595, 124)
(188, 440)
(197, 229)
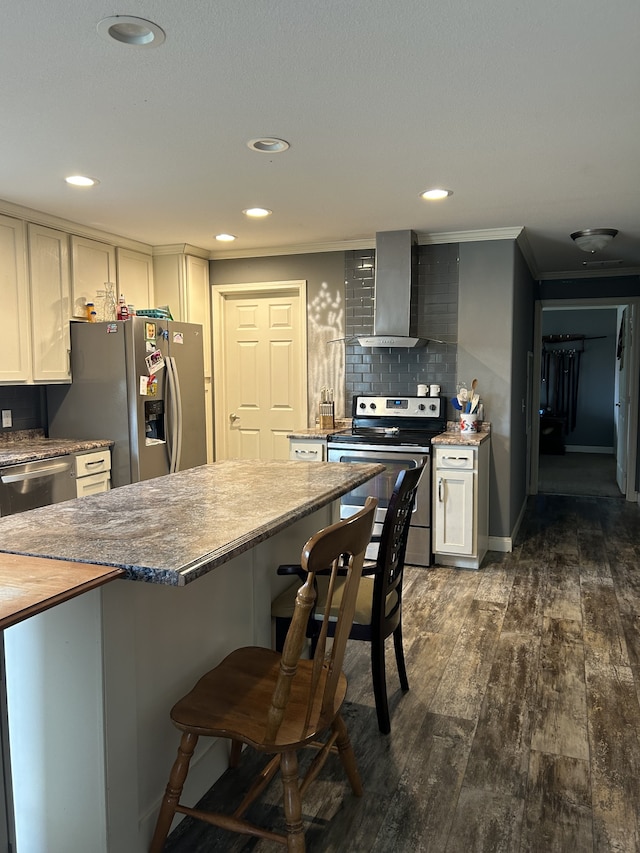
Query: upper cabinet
(49, 280)
(181, 281)
(92, 264)
(135, 277)
(15, 340)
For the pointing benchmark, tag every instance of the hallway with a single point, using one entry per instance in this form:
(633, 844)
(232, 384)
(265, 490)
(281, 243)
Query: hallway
(520, 733)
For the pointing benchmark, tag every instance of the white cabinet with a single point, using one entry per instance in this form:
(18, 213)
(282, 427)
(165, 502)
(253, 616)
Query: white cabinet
(92, 471)
(461, 504)
(50, 293)
(181, 281)
(34, 345)
(92, 264)
(135, 277)
(15, 340)
(307, 449)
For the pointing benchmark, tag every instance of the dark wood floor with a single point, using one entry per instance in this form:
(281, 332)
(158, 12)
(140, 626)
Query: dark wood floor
(521, 730)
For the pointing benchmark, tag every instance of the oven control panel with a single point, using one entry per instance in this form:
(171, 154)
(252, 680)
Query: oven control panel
(408, 407)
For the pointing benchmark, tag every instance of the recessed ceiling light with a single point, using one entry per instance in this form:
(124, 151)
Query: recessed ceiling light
(257, 212)
(81, 181)
(268, 145)
(225, 238)
(133, 31)
(435, 194)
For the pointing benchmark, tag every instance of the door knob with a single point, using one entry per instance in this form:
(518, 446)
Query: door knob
(233, 417)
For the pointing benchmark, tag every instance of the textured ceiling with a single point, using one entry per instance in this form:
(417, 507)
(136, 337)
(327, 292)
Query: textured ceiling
(528, 111)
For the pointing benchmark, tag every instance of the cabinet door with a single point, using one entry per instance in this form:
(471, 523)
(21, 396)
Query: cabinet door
(92, 264)
(135, 277)
(198, 303)
(453, 505)
(49, 276)
(15, 342)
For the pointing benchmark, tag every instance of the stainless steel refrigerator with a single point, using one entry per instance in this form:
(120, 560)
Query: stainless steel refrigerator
(140, 383)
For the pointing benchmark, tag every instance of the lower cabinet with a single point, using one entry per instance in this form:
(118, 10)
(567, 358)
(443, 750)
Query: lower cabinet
(461, 505)
(307, 449)
(92, 472)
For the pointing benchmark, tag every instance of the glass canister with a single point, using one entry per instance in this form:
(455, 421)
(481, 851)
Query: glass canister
(110, 303)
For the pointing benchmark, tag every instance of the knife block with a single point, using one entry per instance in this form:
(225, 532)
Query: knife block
(327, 416)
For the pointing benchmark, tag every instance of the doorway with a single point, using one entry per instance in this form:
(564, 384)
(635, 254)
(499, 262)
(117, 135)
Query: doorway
(260, 367)
(585, 433)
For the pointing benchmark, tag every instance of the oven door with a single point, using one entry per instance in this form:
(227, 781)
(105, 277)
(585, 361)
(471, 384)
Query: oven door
(381, 487)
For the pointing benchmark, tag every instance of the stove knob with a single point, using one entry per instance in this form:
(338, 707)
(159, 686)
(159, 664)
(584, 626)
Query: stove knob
(421, 407)
(373, 406)
(362, 406)
(433, 407)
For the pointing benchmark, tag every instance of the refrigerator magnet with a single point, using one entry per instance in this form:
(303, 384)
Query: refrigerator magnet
(144, 384)
(112, 328)
(178, 338)
(150, 331)
(154, 361)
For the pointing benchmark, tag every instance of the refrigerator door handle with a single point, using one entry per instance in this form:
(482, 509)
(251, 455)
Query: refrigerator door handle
(178, 394)
(172, 414)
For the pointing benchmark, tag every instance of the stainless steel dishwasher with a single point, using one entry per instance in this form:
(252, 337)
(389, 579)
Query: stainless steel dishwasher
(33, 484)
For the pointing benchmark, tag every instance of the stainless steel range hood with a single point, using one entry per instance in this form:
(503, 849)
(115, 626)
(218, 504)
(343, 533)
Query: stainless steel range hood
(396, 270)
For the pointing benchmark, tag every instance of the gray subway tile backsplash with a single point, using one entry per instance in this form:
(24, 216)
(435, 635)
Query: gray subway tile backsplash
(434, 311)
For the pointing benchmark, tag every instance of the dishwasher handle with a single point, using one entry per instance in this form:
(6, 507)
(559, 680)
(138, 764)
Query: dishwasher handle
(43, 471)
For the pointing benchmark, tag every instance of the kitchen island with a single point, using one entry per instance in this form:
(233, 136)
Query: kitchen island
(91, 682)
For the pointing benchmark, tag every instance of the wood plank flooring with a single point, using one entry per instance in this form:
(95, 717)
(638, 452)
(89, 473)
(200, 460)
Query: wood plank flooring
(521, 729)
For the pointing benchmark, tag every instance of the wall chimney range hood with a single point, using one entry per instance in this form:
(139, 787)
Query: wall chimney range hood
(396, 271)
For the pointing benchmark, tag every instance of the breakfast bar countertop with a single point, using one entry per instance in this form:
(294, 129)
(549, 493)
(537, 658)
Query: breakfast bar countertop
(173, 529)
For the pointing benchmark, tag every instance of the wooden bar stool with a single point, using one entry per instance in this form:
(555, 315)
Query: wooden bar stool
(275, 702)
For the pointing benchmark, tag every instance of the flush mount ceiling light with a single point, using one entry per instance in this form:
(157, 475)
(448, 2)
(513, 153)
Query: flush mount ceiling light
(133, 31)
(268, 145)
(436, 194)
(257, 212)
(593, 239)
(225, 238)
(81, 181)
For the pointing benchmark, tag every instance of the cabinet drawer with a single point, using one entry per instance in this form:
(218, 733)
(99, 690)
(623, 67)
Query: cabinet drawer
(455, 458)
(93, 484)
(92, 463)
(307, 451)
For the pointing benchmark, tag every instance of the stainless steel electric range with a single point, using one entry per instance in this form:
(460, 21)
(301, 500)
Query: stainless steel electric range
(395, 432)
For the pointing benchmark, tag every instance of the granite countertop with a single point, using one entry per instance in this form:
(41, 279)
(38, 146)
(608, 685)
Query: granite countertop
(30, 446)
(173, 529)
(453, 436)
(321, 434)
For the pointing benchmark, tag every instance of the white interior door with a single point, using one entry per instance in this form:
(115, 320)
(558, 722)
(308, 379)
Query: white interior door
(260, 368)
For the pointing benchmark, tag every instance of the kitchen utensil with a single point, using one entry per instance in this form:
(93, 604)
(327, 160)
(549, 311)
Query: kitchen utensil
(455, 402)
(474, 403)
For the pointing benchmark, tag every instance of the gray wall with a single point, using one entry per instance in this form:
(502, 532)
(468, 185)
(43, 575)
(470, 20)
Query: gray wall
(595, 398)
(495, 333)
(27, 404)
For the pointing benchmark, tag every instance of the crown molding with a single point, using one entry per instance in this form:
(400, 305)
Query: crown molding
(38, 217)
(181, 249)
(598, 273)
(424, 238)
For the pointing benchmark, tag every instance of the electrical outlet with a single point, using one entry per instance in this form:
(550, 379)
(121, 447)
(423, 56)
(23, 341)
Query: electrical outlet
(6, 418)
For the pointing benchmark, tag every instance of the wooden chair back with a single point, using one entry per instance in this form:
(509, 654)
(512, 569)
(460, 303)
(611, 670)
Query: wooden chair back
(339, 546)
(391, 552)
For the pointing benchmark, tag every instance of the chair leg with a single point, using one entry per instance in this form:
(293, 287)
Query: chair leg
(402, 670)
(174, 789)
(380, 685)
(347, 755)
(292, 802)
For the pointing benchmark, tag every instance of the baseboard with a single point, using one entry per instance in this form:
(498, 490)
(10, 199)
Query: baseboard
(586, 448)
(505, 543)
